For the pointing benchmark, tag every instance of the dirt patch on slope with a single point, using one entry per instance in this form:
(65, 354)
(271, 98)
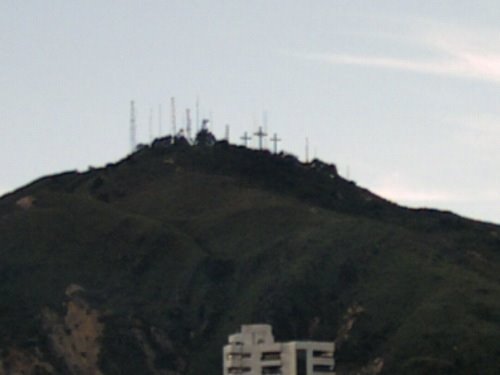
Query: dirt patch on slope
(75, 337)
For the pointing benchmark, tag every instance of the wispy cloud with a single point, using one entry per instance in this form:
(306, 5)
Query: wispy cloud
(461, 64)
(407, 195)
(397, 187)
(384, 62)
(456, 53)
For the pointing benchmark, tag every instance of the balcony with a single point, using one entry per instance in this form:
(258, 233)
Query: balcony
(270, 356)
(322, 354)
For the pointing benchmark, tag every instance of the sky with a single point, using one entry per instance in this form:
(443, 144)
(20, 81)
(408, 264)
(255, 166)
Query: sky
(404, 97)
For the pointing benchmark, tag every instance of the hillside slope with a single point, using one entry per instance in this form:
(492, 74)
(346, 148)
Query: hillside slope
(145, 266)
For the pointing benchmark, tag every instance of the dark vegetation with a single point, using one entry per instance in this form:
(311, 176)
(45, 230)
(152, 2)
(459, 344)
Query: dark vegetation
(192, 241)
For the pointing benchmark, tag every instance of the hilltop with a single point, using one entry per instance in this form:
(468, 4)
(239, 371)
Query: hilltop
(146, 265)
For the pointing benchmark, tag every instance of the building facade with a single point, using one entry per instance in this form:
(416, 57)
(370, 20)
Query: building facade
(253, 351)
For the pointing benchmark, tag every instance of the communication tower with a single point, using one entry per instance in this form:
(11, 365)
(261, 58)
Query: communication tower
(132, 126)
(197, 126)
(188, 123)
(307, 150)
(174, 126)
(150, 128)
(159, 120)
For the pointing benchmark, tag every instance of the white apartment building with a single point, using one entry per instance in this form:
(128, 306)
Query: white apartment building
(253, 351)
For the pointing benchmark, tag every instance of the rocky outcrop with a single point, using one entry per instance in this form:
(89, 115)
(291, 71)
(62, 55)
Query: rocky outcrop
(16, 361)
(80, 340)
(349, 318)
(75, 337)
(25, 202)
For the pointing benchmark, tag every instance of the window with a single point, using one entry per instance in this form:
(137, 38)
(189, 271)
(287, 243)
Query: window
(270, 356)
(238, 370)
(322, 368)
(301, 362)
(271, 370)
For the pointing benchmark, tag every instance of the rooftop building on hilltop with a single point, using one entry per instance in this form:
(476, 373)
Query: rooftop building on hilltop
(253, 351)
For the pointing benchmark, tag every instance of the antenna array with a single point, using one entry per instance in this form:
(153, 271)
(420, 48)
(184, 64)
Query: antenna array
(261, 134)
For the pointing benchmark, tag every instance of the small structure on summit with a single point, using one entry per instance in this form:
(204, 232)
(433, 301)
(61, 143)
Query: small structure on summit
(253, 351)
(204, 136)
(180, 138)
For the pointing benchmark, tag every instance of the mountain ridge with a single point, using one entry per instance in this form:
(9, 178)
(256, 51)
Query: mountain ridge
(180, 244)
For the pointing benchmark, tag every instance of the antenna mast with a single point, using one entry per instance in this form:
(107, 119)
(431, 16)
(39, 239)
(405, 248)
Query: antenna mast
(174, 127)
(159, 120)
(188, 123)
(307, 150)
(132, 126)
(197, 114)
(227, 133)
(264, 124)
(150, 124)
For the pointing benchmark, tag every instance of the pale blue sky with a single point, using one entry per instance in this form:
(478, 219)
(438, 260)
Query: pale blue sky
(404, 94)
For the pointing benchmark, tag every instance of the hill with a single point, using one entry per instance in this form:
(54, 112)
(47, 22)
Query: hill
(145, 266)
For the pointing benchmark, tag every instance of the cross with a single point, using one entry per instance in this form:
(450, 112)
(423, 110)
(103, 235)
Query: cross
(245, 139)
(261, 135)
(275, 141)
